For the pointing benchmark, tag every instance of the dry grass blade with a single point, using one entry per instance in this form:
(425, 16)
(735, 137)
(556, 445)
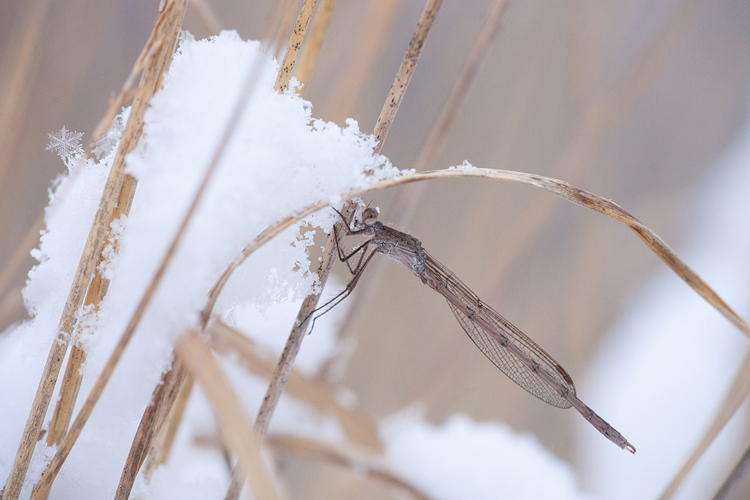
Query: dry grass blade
(283, 368)
(162, 399)
(734, 478)
(315, 392)
(348, 89)
(405, 72)
(97, 290)
(167, 25)
(554, 186)
(295, 42)
(16, 95)
(312, 47)
(408, 199)
(738, 392)
(358, 464)
(20, 254)
(235, 426)
(162, 445)
(207, 16)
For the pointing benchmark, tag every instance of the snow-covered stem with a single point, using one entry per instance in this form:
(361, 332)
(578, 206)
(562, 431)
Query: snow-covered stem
(405, 72)
(167, 25)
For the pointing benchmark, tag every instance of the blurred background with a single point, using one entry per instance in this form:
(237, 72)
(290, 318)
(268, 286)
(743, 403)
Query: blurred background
(633, 101)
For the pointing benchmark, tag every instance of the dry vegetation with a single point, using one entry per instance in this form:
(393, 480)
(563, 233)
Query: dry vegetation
(581, 154)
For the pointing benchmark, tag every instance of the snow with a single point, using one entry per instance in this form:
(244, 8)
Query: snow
(478, 460)
(281, 159)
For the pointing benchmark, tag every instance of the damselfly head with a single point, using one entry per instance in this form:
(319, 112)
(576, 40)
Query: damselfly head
(369, 216)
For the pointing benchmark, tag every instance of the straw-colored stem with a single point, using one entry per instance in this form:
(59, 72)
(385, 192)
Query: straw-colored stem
(347, 90)
(554, 186)
(167, 25)
(358, 464)
(162, 399)
(312, 47)
(240, 439)
(735, 477)
(207, 16)
(18, 78)
(313, 391)
(408, 199)
(71, 382)
(405, 72)
(292, 49)
(158, 453)
(737, 394)
(289, 354)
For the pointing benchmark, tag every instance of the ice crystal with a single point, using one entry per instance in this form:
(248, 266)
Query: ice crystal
(66, 144)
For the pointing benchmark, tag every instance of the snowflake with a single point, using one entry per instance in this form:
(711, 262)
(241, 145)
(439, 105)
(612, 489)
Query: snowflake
(66, 144)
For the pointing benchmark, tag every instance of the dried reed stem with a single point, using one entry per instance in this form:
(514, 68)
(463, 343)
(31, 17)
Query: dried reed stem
(167, 25)
(734, 478)
(357, 463)
(408, 199)
(97, 290)
(735, 396)
(284, 366)
(295, 42)
(162, 445)
(317, 34)
(21, 253)
(207, 16)
(554, 186)
(16, 95)
(232, 420)
(405, 72)
(372, 40)
(162, 399)
(225, 339)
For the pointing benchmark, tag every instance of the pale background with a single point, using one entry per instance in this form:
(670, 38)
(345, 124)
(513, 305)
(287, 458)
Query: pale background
(557, 271)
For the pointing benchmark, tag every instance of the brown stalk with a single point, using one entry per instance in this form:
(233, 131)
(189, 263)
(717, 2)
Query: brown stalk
(156, 413)
(207, 16)
(312, 47)
(126, 94)
(292, 49)
(69, 440)
(405, 72)
(735, 477)
(735, 396)
(225, 339)
(161, 446)
(232, 420)
(167, 22)
(17, 93)
(347, 90)
(283, 368)
(20, 255)
(554, 186)
(357, 463)
(97, 290)
(408, 199)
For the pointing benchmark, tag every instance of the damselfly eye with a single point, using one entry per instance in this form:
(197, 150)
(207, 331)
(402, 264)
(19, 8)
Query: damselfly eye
(369, 216)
